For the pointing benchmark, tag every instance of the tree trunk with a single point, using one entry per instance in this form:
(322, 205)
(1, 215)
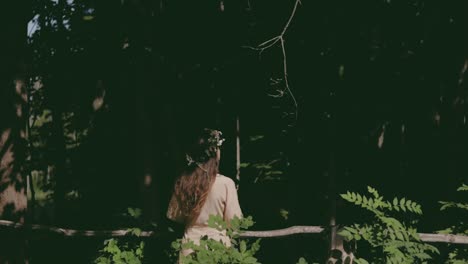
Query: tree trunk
(58, 169)
(13, 116)
(238, 162)
(13, 199)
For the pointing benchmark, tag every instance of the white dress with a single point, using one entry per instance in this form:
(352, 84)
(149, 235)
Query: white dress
(222, 200)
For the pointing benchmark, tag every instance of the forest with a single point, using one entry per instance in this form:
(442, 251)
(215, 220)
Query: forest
(345, 125)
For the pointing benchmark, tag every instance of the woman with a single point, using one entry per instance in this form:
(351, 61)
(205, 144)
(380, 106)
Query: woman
(200, 191)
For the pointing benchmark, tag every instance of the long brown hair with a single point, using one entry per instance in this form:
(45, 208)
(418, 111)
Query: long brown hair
(194, 184)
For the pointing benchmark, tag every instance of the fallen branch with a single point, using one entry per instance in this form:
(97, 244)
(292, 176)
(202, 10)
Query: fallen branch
(73, 232)
(284, 232)
(444, 238)
(293, 230)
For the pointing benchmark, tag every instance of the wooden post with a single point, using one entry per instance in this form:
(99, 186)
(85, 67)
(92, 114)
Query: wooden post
(237, 148)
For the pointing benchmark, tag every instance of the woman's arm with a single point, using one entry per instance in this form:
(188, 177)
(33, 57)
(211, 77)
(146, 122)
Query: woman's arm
(232, 202)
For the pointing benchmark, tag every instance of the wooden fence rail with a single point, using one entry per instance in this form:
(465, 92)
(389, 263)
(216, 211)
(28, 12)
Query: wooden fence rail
(293, 230)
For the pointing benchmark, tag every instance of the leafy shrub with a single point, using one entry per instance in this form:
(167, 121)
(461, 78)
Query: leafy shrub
(125, 250)
(456, 255)
(391, 240)
(263, 167)
(120, 253)
(210, 251)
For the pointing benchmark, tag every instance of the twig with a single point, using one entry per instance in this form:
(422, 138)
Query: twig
(286, 81)
(272, 42)
(462, 73)
(291, 17)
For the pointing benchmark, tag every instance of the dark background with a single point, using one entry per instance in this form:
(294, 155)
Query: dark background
(169, 68)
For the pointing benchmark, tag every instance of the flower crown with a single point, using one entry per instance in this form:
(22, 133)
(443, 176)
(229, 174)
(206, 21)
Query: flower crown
(211, 141)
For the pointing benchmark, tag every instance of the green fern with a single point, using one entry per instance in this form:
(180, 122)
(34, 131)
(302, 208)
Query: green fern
(376, 202)
(457, 255)
(464, 187)
(399, 242)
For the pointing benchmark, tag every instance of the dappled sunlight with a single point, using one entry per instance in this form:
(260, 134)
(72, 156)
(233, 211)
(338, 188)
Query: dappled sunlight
(4, 137)
(148, 180)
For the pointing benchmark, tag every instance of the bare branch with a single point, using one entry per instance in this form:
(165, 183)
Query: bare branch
(73, 232)
(293, 230)
(269, 42)
(293, 13)
(272, 42)
(444, 238)
(284, 232)
(286, 81)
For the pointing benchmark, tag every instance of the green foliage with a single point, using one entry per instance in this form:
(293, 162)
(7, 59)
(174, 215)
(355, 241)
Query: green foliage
(124, 251)
(446, 205)
(134, 212)
(391, 240)
(284, 213)
(265, 170)
(464, 187)
(43, 192)
(120, 253)
(210, 251)
(43, 149)
(456, 255)
(268, 168)
(256, 137)
(75, 129)
(464, 206)
(39, 148)
(376, 204)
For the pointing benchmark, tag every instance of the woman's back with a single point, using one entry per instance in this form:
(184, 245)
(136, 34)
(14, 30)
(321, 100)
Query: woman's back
(221, 200)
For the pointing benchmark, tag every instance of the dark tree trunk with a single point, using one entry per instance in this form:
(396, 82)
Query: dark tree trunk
(12, 152)
(59, 153)
(13, 117)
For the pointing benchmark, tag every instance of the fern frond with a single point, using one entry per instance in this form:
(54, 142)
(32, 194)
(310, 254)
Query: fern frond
(463, 188)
